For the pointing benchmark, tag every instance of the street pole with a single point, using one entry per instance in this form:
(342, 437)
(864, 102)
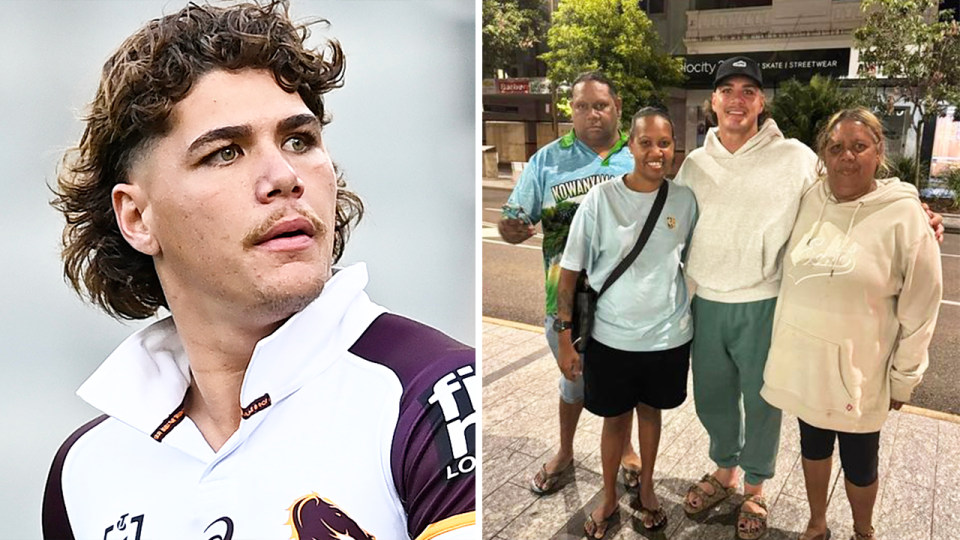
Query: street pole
(553, 111)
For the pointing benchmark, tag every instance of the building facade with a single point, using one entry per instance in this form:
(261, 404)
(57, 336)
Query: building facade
(789, 38)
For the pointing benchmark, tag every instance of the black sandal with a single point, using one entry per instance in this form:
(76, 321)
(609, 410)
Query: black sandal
(591, 527)
(657, 518)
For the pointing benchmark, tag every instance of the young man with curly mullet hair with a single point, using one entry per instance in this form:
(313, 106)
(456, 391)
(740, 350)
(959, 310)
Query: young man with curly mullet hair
(276, 398)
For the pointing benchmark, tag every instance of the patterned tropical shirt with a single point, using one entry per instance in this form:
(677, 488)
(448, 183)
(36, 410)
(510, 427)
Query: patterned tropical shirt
(551, 188)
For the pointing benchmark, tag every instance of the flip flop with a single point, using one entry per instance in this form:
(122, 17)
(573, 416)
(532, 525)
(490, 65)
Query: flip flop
(706, 501)
(544, 483)
(657, 517)
(591, 528)
(822, 536)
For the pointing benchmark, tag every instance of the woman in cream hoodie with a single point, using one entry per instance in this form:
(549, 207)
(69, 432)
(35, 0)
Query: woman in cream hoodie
(857, 308)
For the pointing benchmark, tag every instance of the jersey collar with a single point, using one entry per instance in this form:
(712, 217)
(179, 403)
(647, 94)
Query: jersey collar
(143, 382)
(570, 138)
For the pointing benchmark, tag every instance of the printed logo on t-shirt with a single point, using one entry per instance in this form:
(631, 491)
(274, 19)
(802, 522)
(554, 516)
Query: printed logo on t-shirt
(576, 187)
(454, 394)
(315, 518)
(831, 253)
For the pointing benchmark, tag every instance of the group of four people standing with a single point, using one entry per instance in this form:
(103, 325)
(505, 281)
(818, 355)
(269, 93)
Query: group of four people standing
(860, 252)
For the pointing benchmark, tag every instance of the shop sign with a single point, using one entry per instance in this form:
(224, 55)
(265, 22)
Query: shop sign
(777, 66)
(520, 85)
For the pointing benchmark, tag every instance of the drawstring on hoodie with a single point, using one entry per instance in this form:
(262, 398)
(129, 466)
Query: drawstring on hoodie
(846, 235)
(819, 219)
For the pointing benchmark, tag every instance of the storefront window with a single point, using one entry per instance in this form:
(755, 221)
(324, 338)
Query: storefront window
(946, 144)
(653, 7)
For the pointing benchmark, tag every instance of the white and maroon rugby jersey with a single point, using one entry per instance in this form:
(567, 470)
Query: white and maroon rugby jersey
(357, 423)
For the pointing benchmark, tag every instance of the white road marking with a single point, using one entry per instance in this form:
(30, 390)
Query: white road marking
(502, 243)
(949, 255)
(494, 225)
(950, 303)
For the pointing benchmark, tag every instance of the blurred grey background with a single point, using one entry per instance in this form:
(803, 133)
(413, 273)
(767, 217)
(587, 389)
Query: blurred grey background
(403, 132)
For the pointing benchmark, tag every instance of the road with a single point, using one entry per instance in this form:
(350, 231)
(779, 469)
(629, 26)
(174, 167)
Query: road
(513, 290)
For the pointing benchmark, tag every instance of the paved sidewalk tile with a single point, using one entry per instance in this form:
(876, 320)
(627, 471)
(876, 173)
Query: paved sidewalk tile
(918, 497)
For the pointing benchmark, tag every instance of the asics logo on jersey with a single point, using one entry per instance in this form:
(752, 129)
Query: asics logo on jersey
(454, 392)
(118, 530)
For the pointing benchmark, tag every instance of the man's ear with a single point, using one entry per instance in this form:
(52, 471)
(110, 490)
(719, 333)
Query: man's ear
(130, 205)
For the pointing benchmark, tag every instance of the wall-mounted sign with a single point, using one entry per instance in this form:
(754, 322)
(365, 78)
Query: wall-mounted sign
(532, 85)
(777, 66)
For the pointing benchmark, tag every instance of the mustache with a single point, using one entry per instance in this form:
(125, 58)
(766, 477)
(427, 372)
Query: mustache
(259, 233)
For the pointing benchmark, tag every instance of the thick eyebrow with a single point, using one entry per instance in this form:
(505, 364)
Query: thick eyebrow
(296, 121)
(747, 85)
(219, 134)
(245, 131)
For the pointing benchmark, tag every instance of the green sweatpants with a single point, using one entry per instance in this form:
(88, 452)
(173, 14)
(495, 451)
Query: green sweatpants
(730, 346)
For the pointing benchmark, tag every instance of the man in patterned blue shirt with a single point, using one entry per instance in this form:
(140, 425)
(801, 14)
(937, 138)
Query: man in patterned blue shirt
(550, 190)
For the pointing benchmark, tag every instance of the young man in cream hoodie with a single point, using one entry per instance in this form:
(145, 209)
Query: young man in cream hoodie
(748, 180)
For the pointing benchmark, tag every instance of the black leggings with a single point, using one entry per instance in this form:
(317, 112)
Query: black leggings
(859, 452)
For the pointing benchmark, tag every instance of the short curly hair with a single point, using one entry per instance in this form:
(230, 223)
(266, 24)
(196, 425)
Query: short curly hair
(140, 84)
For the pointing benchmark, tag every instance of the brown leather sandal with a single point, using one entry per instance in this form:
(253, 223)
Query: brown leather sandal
(706, 501)
(746, 516)
(631, 476)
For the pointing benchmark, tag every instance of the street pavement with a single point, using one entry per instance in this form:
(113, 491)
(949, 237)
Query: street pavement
(918, 499)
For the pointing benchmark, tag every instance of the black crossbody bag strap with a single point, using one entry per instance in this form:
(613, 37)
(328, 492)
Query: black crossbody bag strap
(642, 240)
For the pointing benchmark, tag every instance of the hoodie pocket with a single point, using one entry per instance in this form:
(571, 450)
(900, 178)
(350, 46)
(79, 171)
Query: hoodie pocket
(810, 368)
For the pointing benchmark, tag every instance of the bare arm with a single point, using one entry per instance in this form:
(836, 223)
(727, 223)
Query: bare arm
(568, 358)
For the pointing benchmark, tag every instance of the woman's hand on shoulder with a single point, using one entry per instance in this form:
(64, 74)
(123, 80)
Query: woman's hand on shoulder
(936, 222)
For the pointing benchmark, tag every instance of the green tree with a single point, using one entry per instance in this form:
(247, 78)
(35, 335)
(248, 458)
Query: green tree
(903, 41)
(509, 28)
(801, 110)
(614, 36)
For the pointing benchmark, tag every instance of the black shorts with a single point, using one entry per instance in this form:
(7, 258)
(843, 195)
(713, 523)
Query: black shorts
(859, 452)
(616, 381)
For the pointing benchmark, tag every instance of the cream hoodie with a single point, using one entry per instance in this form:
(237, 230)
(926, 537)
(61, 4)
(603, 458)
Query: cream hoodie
(857, 308)
(748, 201)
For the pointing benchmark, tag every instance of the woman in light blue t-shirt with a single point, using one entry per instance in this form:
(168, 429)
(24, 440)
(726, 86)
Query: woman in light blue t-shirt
(639, 354)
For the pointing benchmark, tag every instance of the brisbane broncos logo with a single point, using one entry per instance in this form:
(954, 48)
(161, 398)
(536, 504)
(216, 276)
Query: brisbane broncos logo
(316, 518)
